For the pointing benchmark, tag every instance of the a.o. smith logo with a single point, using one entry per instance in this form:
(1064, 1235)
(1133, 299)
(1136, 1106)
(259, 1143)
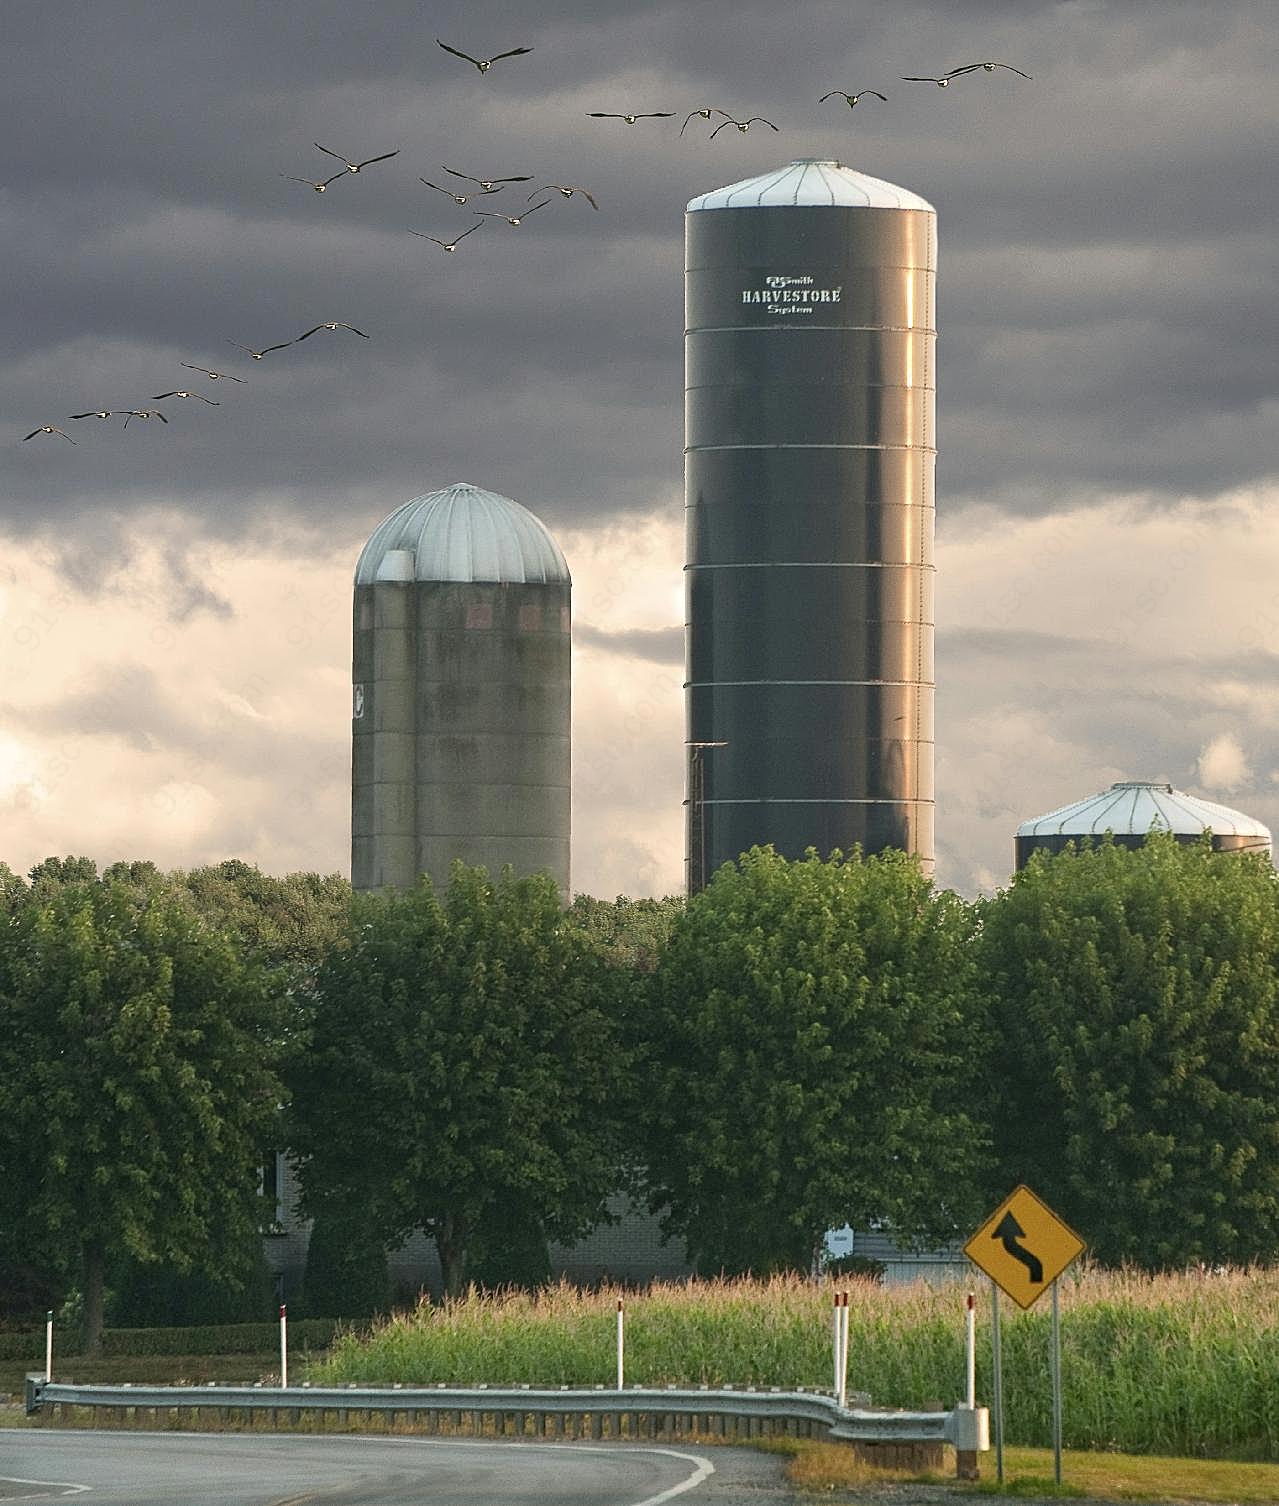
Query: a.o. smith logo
(791, 295)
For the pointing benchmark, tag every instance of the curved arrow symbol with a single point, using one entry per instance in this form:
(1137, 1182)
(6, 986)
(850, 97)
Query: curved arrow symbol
(1010, 1231)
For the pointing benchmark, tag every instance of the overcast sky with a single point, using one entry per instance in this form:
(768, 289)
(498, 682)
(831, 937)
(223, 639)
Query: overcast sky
(176, 597)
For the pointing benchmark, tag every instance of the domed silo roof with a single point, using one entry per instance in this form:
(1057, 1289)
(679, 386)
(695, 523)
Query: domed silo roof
(811, 180)
(462, 533)
(1131, 810)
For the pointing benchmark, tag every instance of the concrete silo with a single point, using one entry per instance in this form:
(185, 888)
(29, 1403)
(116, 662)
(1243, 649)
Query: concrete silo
(461, 693)
(1130, 811)
(810, 448)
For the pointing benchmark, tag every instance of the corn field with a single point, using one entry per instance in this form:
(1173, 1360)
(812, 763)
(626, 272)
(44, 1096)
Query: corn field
(1182, 1364)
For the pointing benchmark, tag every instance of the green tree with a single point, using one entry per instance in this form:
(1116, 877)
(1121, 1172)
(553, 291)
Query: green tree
(13, 890)
(52, 873)
(346, 1270)
(466, 1047)
(289, 922)
(811, 1033)
(508, 1248)
(630, 933)
(1135, 1047)
(147, 1294)
(141, 873)
(137, 1077)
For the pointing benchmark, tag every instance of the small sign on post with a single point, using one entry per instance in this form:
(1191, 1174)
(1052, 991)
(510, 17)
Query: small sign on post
(837, 1244)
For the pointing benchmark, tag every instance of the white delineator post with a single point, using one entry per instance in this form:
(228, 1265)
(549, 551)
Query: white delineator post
(843, 1349)
(839, 1345)
(48, 1345)
(284, 1346)
(971, 1425)
(835, 1343)
(621, 1345)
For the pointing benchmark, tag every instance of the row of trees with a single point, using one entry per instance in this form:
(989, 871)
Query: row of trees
(804, 1044)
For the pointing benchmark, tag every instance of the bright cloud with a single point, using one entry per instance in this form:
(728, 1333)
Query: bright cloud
(1222, 764)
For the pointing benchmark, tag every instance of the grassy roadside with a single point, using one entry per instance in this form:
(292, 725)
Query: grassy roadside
(829, 1467)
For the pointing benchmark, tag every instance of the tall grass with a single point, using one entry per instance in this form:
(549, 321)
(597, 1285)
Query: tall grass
(1184, 1364)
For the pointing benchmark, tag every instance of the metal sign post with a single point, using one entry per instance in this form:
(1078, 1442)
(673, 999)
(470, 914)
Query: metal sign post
(997, 1366)
(1056, 1369)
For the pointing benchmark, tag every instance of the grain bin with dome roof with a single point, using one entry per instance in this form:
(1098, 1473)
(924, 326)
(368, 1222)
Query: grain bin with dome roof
(461, 693)
(809, 436)
(1129, 811)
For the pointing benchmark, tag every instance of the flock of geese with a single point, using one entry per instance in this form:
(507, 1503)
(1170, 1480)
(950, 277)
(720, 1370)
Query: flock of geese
(481, 188)
(186, 392)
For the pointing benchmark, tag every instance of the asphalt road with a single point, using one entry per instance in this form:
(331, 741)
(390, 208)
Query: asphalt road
(202, 1469)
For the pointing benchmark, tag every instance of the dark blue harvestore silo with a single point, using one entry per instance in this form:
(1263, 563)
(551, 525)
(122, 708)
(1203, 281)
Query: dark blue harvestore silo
(810, 450)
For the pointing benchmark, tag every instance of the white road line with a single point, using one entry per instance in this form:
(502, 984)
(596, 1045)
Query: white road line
(704, 1469)
(61, 1485)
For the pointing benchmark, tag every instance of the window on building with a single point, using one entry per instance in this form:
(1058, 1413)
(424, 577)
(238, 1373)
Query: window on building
(271, 1191)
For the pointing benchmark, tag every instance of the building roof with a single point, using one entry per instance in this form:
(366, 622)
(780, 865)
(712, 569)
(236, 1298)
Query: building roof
(462, 533)
(1138, 806)
(812, 180)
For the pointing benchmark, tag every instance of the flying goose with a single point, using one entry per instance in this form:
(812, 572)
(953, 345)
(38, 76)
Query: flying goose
(213, 376)
(639, 115)
(567, 190)
(511, 219)
(852, 98)
(484, 64)
(742, 125)
(256, 354)
(354, 167)
(448, 245)
(332, 324)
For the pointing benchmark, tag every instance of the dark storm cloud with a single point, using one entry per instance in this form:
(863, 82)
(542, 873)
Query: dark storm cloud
(129, 704)
(658, 645)
(124, 702)
(186, 594)
(1105, 308)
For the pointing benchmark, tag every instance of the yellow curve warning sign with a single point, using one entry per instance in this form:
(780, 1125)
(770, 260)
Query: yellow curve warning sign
(1023, 1247)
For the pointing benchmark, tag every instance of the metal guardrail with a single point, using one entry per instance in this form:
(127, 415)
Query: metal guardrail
(743, 1411)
